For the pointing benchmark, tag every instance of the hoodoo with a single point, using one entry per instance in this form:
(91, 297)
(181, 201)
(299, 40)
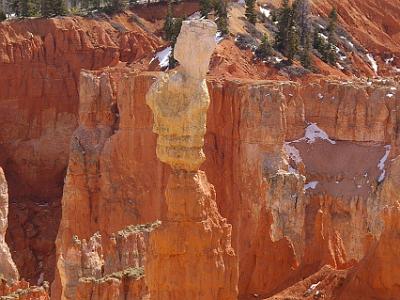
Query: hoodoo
(190, 255)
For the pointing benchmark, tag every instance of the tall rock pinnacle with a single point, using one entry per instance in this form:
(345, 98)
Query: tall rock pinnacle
(190, 255)
(179, 100)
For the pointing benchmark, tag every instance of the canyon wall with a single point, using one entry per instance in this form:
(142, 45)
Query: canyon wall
(288, 163)
(40, 62)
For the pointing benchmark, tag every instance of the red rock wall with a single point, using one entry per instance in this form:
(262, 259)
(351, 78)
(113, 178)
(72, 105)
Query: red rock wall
(40, 62)
(271, 215)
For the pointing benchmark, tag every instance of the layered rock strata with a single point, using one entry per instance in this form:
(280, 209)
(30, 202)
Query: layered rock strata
(40, 62)
(190, 256)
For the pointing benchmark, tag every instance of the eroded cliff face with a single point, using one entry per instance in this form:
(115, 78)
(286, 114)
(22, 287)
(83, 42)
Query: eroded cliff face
(40, 62)
(8, 270)
(288, 163)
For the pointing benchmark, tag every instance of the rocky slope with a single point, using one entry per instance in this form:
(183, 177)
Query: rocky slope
(302, 170)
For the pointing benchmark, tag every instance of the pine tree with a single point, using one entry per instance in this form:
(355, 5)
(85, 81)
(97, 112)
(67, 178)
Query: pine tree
(2, 15)
(305, 57)
(13, 7)
(284, 16)
(302, 15)
(59, 7)
(46, 8)
(116, 5)
(222, 16)
(264, 49)
(293, 41)
(25, 9)
(250, 11)
(205, 8)
(332, 26)
(169, 23)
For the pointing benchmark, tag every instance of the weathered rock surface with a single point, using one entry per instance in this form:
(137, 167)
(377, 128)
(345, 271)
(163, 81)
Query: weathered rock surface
(126, 284)
(190, 256)
(248, 126)
(179, 100)
(8, 270)
(40, 63)
(21, 290)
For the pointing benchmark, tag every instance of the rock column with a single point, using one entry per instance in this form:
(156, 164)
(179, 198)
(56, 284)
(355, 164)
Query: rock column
(190, 255)
(8, 270)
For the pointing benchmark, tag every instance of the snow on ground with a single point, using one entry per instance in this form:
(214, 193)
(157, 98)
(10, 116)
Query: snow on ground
(219, 37)
(163, 57)
(311, 185)
(320, 96)
(323, 36)
(381, 164)
(265, 11)
(373, 63)
(389, 60)
(292, 152)
(347, 41)
(195, 16)
(339, 66)
(313, 132)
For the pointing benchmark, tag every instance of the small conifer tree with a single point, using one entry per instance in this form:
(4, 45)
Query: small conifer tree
(221, 12)
(205, 8)
(264, 49)
(250, 11)
(169, 23)
(302, 15)
(332, 26)
(59, 7)
(2, 15)
(305, 57)
(46, 8)
(293, 42)
(283, 17)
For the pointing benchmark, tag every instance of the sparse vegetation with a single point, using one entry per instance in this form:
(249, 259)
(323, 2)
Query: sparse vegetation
(250, 11)
(2, 16)
(221, 13)
(205, 8)
(264, 49)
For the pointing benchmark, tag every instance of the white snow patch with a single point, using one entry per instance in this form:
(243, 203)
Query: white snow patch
(195, 16)
(219, 37)
(397, 70)
(339, 66)
(311, 185)
(323, 36)
(390, 95)
(320, 96)
(373, 63)
(347, 41)
(292, 152)
(381, 164)
(389, 60)
(163, 57)
(313, 132)
(265, 11)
